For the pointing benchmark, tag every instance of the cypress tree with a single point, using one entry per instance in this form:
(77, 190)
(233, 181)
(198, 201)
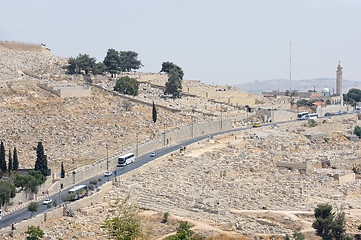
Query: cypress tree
(154, 115)
(62, 172)
(15, 160)
(41, 163)
(2, 157)
(10, 165)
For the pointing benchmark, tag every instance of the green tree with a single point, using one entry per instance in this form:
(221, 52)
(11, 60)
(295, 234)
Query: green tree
(99, 68)
(353, 103)
(2, 157)
(34, 232)
(354, 94)
(7, 191)
(112, 61)
(33, 207)
(154, 113)
(41, 162)
(10, 164)
(30, 182)
(175, 76)
(184, 232)
(127, 85)
(62, 171)
(297, 235)
(15, 160)
(129, 61)
(126, 223)
(357, 131)
(329, 225)
(80, 63)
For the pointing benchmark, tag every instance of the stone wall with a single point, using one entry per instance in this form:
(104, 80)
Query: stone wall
(344, 178)
(67, 91)
(17, 46)
(167, 138)
(92, 199)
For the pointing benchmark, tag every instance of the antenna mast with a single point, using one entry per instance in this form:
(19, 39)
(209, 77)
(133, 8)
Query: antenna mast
(290, 63)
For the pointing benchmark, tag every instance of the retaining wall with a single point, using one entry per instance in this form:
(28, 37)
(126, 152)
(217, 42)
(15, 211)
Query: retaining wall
(167, 138)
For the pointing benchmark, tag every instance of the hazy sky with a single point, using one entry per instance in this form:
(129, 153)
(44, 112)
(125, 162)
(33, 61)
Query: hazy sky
(223, 42)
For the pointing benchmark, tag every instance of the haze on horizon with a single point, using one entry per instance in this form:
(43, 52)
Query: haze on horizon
(221, 42)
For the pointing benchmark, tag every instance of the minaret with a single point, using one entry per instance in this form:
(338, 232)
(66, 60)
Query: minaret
(339, 82)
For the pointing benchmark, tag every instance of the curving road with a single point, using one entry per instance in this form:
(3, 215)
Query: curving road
(23, 213)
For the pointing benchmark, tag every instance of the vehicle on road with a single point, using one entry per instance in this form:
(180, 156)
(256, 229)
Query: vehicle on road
(153, 154)
(47, 201)
(126, 159)
(108, 173)
(1, 215)
(358, 109)
(328, 114)
(256, 124)
(311, 116)
(78, 192)
(302, 115)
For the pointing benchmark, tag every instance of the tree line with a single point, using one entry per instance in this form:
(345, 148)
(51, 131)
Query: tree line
(113, 63)
(29, 182)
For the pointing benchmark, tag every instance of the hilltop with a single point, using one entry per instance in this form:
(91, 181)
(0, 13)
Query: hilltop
(79, 130)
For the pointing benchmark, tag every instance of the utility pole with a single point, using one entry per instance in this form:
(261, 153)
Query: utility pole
(107, 157)
(137, 144)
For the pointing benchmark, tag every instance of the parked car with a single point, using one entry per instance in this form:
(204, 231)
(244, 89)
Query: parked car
(153, 154)
(108, 173)
(47, 201)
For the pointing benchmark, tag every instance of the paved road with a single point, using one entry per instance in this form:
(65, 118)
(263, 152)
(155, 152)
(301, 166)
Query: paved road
(23, 214)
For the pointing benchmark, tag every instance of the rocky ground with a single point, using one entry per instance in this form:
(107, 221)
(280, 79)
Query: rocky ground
(231, 185)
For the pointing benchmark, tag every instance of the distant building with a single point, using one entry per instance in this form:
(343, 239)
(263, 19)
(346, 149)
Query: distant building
(339, 82)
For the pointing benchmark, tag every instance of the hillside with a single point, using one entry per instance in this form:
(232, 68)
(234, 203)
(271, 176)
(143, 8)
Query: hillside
(300, 85)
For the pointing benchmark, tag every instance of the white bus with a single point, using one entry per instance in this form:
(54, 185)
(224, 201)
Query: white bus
(126, 159)
(301, 115)
(311, 116)
(78, 191)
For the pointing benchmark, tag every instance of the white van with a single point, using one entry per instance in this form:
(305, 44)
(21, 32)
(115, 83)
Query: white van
(1, 215)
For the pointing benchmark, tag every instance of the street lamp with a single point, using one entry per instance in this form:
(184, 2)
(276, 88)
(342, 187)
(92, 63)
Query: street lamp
(107, 157)
(137, 145)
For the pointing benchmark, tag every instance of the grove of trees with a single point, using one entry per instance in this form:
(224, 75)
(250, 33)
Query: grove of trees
(29, 182)
(175, 76)
(113, 63)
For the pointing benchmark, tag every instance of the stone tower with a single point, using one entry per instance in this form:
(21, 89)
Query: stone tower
(339, 81)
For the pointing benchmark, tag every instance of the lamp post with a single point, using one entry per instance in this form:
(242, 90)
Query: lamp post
(107, 157)
(137, 145)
